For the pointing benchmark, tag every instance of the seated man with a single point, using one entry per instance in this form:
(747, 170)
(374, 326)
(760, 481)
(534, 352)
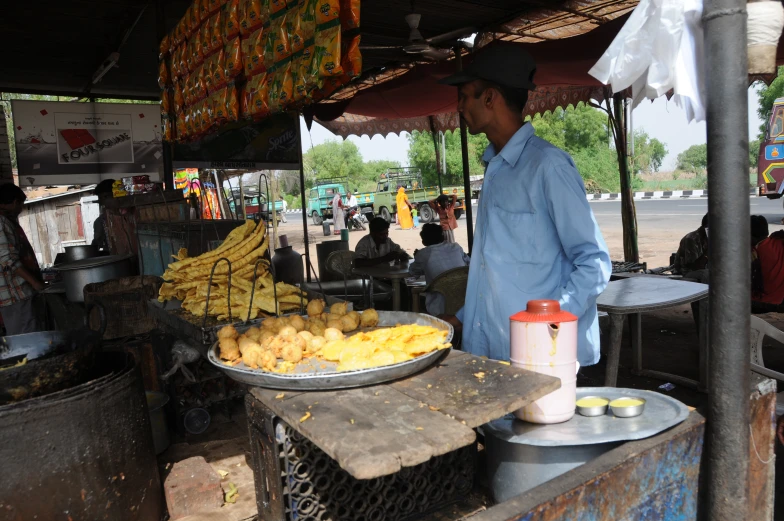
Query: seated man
(376, 247)
(692, 257)
(437, 257)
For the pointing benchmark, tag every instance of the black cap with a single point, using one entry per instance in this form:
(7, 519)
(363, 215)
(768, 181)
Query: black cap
(506, 64)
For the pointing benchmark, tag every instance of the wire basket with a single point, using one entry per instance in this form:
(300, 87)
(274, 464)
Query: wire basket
(125, 303)
(306, 484)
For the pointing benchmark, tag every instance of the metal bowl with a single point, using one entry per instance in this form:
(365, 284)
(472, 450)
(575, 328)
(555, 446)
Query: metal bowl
(628, 411)
(596, 410)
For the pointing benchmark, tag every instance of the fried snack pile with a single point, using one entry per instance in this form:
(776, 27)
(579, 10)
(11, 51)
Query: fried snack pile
(283, 343)
(188, 278)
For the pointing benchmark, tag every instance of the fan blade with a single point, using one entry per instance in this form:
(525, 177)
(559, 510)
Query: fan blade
(452, 35)
(436, 54)
(379, 47)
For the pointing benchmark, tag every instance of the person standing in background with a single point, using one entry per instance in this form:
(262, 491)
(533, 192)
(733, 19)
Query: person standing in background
(21, 279)
(444, 205)
(337, 213)
(404, 209)
(104, 192)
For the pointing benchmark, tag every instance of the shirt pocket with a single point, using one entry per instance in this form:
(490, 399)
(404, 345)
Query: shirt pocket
(515, 234)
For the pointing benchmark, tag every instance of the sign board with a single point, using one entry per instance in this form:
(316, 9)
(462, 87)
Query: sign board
(270, 144)
(61, 143)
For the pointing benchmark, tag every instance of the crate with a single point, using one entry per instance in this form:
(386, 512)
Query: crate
(295, 480)
(125, 304)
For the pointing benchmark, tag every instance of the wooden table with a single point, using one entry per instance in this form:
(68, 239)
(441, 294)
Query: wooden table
(375, 431)
(395, 273)
(636, 295)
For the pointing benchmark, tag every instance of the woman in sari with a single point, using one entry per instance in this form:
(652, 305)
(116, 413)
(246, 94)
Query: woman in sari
(337, 214)
(404, 209)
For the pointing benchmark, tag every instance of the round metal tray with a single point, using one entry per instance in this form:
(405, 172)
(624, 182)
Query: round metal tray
(322, 376)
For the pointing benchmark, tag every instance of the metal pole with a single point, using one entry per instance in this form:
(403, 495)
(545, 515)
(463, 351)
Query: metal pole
(434, 135)
(726, 81)
(304, 202)
(242, 199)
(469, 211)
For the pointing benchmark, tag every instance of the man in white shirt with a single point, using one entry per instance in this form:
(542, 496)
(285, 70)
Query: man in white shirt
(437, 257)
(351, 202)
(376, 247)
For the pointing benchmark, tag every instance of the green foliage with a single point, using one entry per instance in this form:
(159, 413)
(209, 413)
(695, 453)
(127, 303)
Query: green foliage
(333, 159)
(649, 153)
(754, 147)
(422, 154)
(598, 168)
(767, 95)
(694, 159)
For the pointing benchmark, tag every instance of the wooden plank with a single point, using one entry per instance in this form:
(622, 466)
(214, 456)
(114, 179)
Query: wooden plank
(476, 390)
(55, 241)
(43, 233)
(389, 431)
(72, 226)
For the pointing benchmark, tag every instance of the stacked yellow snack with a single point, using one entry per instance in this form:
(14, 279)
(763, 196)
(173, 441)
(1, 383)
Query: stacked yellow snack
(188, 278)
(282, 343)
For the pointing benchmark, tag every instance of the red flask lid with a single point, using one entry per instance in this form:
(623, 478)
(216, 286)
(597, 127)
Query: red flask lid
(543, 311)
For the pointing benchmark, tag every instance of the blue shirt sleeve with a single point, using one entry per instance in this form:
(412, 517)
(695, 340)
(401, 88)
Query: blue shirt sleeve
(580, 237)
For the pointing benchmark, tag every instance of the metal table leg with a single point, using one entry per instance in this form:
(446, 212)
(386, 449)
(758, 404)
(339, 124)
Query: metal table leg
(635, 330)
(614, 353)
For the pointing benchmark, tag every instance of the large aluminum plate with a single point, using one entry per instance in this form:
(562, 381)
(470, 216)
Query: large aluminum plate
(322, 376)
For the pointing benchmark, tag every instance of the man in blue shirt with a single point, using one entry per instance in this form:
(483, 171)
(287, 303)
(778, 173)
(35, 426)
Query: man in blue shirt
(536, 236)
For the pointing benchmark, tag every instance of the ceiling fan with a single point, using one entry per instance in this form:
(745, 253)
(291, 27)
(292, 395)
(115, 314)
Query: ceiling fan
(426, 47)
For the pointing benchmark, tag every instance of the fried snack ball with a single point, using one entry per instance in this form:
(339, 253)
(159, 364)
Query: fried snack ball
(341, 308)
(317, 343)
(265, 334)
(275, 344)
(292, 350)
(253, 333)
(227, 332)
(245, 344)
(252, 355)
(350, 322)
(369, 318)
(287, 331)
(333, 316)
(270, 324)
(307, 336)
(332, 334)
(267, 360)
(297, 322)
(315, 307)
(317, 327)
(335, 324)
(229, 349)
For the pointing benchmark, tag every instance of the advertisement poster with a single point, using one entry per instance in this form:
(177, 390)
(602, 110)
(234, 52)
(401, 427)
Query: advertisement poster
(270, 144)
(64, 143)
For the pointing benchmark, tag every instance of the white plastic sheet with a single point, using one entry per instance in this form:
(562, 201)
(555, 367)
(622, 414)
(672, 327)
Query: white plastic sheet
(658, 49)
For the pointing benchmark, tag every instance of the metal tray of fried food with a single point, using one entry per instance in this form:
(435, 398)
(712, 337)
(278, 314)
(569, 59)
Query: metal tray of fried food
(322, 376)
(188, 327)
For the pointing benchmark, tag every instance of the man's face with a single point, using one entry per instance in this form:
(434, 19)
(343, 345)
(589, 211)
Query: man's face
(380, 236)
(472, 106)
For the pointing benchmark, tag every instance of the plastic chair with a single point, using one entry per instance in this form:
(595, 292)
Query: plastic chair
(759, 330)
(342, 263)
(452, 285)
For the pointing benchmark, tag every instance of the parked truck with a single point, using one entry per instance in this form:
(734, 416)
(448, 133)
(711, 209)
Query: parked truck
(321, 195)
(410, 178)
(770, 162)
(256, 206)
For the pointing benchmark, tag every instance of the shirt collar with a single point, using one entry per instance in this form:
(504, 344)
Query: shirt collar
(513, 149)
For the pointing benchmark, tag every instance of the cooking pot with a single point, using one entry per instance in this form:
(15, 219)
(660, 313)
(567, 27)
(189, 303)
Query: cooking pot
(76, 275)
(77, 253)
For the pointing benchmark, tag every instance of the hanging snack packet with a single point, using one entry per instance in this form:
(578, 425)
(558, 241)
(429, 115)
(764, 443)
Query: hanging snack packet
(163, 47)
(163, 74)
(243, 97)
(296, 40)
(349, 14)
(326, 61)
(307, 20)
(199, 84)
(208, 64)
(280, 32)
(276, 6)
(326, 11)
(177, 97)
(233, 58)
(216, 32)
(182, 131)
(259, 96)
(218, 100)
(255, 57)
(205, 37)
(218, 70)
(166, 104)
(168, 133)
(269, 47)
(204, 9)
(231, 20)
(253, 13)
(214, 6)
(182, 54)
(306, 73)
(232, 103)
(298, 91)
(284, 86)
(351, 59)
(195, 22)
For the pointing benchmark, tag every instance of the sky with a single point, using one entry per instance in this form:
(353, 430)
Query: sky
(662, 120)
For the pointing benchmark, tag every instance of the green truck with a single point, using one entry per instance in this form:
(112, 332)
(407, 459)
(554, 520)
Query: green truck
(410, 178)
(321, 195)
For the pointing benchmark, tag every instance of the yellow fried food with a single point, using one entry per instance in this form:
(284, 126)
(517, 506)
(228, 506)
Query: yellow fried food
(369, 318)
(271, 324)
(253, 333)
(286, 331)
(315, 307)
(268, 360)
(340, 309)
(253, 356)
(317, 327)
(245, 344)
(227, 332)
(229, 349)
(265, 334)
(332, 334)
(307, 336)
(317, 344)
(297, 322)
(292, 352)
(349, 322)
(335, 323)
